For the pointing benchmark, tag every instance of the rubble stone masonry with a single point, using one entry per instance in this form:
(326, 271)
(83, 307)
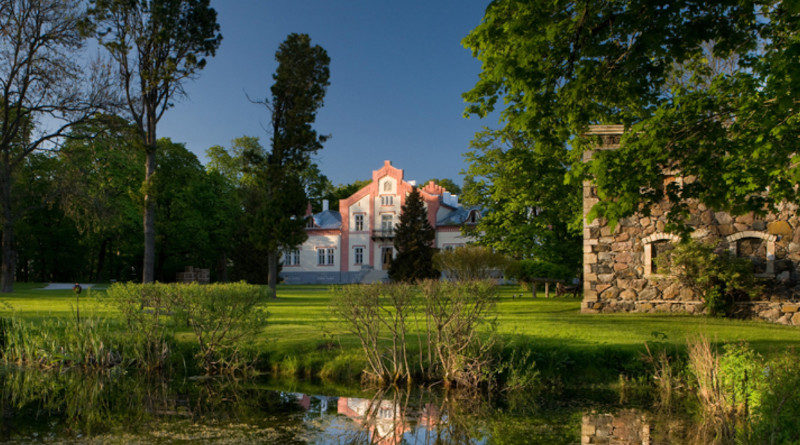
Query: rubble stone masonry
(620, 272)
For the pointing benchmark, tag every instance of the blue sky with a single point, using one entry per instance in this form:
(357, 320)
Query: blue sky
(397, 73)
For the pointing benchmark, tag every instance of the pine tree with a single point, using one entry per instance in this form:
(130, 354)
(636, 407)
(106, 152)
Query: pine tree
(413, 240)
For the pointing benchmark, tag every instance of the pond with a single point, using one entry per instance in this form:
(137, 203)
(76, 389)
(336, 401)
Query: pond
(69, 407)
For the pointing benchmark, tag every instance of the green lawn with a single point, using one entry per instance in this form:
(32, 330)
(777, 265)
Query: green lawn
(299, 321)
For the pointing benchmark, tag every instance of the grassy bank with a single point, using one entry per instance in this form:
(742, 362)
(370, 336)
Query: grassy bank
(302, 339)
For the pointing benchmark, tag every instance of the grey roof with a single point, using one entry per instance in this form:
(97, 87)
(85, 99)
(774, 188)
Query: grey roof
(327, 220)
(458, 216)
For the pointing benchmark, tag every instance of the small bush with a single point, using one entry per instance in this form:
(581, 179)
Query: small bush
(460, 321)
(719, 279)
(470, 263)
(146, 310)
(776, 417)
(222, 317)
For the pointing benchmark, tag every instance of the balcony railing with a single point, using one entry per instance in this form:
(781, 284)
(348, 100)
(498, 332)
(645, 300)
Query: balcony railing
(382, 233)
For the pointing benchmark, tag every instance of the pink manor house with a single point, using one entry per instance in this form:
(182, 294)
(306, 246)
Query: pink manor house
(355, 244)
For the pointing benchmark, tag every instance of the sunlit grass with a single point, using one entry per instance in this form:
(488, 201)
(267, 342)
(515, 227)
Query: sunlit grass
(300, 323)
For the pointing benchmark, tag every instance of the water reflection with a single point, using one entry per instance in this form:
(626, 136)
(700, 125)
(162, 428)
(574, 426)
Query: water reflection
(125, 408)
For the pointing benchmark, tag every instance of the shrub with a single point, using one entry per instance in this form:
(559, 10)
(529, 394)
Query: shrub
(455, 320)
(455, 315)
(222, 317)
(470, 263)
(719, 279)
(775, 418)
(146, 312)
(379, 315)
(528, 270)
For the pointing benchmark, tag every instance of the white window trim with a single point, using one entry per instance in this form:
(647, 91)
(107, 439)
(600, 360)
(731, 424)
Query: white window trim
(355, 222)
(355, 255)
(768, 237)
(648, 250)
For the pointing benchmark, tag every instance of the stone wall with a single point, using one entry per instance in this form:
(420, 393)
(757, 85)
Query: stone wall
(620, 272)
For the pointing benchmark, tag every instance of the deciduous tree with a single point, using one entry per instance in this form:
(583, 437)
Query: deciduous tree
(561, 66)
(157, 45)
(530, 212)
(44, 90)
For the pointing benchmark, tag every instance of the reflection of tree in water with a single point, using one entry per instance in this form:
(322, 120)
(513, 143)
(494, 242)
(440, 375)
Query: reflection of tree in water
(85, 404)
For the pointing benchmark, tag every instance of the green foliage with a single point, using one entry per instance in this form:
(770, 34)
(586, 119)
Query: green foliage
(275, 203)
(775, 419)
(413, 240)
(558, 67)
(526, 271)
(199, 210)
(530, 212)
(223, 317)
(466, 263)
(343, 191)
(146, 315)
(719, 279)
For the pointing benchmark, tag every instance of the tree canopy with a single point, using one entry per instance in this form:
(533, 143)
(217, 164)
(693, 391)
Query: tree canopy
(554, 68)
(156, 46)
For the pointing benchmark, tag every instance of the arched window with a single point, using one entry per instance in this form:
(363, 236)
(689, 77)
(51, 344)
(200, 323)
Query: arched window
(758, 246)
(654, 245)
(387, 186)
(472, 218)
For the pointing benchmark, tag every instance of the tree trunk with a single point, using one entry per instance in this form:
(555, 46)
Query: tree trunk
(148, 268)
(101, 259)
(9, 261)
(272, 279)
(222, 268)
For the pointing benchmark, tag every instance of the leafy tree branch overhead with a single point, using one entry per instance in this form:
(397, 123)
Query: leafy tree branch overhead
(554, 68)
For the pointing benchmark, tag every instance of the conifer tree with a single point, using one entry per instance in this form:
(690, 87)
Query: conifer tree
(413, 240)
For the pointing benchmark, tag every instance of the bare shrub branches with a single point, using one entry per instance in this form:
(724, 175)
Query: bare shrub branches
(450, 318)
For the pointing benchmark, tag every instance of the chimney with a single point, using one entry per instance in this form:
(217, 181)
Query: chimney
(324, 205)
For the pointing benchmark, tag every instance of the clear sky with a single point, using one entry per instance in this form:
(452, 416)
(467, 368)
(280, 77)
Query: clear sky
(397, 74)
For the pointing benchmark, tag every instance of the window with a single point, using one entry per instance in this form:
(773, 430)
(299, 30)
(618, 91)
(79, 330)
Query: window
(358, 255)
(387, 186)
(310, 222)
(325, 257)
(330, 256)
(320, 257)
(473, 217)
(449, 248)
(387, 222)
(655, 245)
(359, 223)
(758, 246)
(291, 258)
(387, 200)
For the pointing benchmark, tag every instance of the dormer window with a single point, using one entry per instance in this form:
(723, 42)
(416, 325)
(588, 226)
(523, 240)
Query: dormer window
(473, 217)
(310, 222)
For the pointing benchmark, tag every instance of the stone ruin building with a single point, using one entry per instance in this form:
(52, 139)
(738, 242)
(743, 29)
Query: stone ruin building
(620, 272)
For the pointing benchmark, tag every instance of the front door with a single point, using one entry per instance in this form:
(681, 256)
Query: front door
(386, 257)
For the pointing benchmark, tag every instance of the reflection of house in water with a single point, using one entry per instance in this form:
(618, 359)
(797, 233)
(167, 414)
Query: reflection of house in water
(383, 419)
(316, 404)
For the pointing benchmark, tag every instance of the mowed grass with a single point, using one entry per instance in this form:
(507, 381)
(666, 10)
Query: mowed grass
(300, 322)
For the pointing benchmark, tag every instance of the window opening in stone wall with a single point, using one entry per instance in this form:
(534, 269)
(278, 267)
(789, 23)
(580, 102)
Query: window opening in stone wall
(754, 249)
(660, 256)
